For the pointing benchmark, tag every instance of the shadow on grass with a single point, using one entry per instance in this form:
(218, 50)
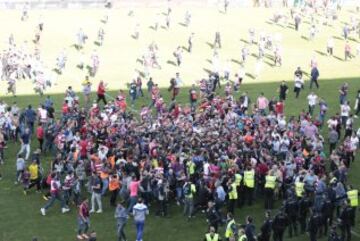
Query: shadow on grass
(236, 61)
(171, 62)
(244, 41)
(320, 52)
(250, 76)
(338, 58)
(337, 37)
(304, 37)
(207, 70)
(210, 45)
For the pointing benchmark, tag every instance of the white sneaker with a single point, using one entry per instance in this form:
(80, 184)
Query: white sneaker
(91, 211)
(99, 211)
(355, 116)
(43, 211)
(65, 210)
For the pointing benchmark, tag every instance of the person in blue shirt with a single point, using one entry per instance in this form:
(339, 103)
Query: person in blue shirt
(30, 117)
(314, 77)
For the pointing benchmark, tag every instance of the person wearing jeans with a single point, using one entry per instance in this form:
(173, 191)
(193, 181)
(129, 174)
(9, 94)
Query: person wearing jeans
(55, 190)
(25, 143)
(95, 193)
(140, 210)
(121, 216)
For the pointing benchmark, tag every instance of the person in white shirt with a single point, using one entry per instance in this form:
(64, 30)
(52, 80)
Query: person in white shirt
(344, 112)
(330, 46)
(312, 100)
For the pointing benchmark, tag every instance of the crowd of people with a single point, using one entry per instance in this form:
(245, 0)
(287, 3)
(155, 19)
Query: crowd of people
(216, 154)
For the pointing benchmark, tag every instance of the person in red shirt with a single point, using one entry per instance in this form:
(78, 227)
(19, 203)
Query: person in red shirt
(83, 220)
(40, 136)
(101, 92)
(279, 107)
(65, 108)
(347, 51)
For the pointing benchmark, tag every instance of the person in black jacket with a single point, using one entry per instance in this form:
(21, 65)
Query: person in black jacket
(313, 225)
(250, 229)
(279, 225)
(304, 205)
(265, 230)
(345, 222)
(291, 210)
(212, 216)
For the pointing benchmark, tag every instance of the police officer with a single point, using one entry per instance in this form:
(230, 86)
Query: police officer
(291, 210)
(270, 182)
(333, 236)
(249, 184)
(231, 228)
(327, 213)
(304, 206)
(212, 235)
(313, 225)
(265, 229)
(345, 219)
(212, 215)
(279, 225)
(232, 194)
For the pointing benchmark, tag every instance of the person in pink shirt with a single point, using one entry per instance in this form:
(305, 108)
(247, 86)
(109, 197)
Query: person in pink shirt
(262, 103)
(134, 189)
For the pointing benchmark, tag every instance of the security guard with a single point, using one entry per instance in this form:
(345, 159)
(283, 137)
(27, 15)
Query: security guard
(212, 235)
(265, 229)
(242, 235)
(239, 186)
(231, 227)
(353, 196)
(299, 187)
(233, 195)
(190, 168)
(270, 182)
(189, 190)
(249, 183)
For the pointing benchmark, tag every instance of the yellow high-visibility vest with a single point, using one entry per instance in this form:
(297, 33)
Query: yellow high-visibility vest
(249, 178)
(270, 181)
(238, 179)
(229, 232)
(242, 238)
(353, 195)
(299, 189)
(191, 167)
(233, 194)
(209, 238)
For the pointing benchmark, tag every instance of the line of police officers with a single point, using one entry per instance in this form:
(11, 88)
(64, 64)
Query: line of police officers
(311, 209)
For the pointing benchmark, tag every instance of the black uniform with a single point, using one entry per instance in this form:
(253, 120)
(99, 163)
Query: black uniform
(304, 205)
(265, 230)
(279, 225)
(291, 209)
(213, 217)
(345, 224)
(313, 225)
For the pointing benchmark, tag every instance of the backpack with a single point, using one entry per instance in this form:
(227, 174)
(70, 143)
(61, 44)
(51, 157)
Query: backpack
(187, 189)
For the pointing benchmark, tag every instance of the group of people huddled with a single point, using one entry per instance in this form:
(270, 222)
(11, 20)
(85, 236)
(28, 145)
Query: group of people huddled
(214, 155)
